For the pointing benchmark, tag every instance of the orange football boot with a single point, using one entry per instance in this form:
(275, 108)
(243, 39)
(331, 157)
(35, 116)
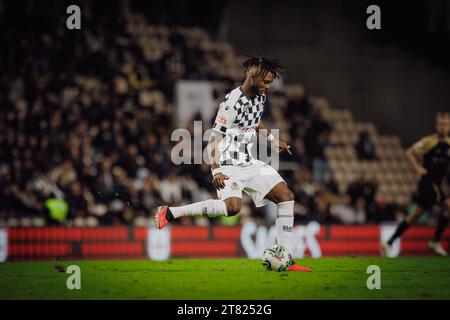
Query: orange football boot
(296, 267)
(160, 217)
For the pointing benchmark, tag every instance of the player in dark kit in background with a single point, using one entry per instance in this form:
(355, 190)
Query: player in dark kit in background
(435, 151)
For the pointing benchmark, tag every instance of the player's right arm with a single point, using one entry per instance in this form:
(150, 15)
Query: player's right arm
(224, 119)
(213, 152)
(418, 149)
(420, 170)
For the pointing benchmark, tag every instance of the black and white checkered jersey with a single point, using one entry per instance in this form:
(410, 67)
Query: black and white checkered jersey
(237, 119)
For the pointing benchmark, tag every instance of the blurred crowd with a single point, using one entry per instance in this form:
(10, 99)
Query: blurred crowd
(85, 125)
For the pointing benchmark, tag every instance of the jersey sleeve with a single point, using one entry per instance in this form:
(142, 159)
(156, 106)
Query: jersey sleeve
(424, 145)
(225, 118)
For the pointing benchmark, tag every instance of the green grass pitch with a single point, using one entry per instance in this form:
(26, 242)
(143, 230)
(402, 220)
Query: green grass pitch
(222, 279)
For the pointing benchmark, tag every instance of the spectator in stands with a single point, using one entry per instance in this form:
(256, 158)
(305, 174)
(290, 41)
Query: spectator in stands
(316, 139)
(345, 212)
(362, 194)
(363, 188)
(385, 211)
(320, 207)
(365, 147)
(300, 104)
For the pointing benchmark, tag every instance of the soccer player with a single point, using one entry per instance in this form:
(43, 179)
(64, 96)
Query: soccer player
(233, 167)
(435, 153)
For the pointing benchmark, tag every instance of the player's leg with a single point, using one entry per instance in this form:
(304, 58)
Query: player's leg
(263, 184)
(283, 197)
(405, 224)
(386, 247)
(210, 208)
(228, 204)
(435, 244)
(426, 198)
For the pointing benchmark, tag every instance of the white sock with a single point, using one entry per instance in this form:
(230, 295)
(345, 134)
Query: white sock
(284, 223)
(210, 208)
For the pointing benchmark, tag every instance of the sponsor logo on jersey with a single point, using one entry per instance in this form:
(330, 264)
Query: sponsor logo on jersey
(222, 120)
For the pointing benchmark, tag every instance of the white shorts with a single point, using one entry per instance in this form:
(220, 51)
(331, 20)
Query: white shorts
(255, 180)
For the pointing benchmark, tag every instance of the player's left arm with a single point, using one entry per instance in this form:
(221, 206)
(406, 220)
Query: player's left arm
(281, 146)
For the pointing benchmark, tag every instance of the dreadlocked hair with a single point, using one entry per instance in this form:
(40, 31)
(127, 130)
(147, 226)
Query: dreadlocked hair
(266, 64)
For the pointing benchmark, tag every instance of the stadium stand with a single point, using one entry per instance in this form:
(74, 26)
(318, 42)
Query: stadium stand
(88, 121)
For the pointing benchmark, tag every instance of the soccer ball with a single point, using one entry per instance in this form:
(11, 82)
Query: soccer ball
(276, 258)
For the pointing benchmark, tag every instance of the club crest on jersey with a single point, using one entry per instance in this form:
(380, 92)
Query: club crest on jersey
(234, 186)
(243, 130)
